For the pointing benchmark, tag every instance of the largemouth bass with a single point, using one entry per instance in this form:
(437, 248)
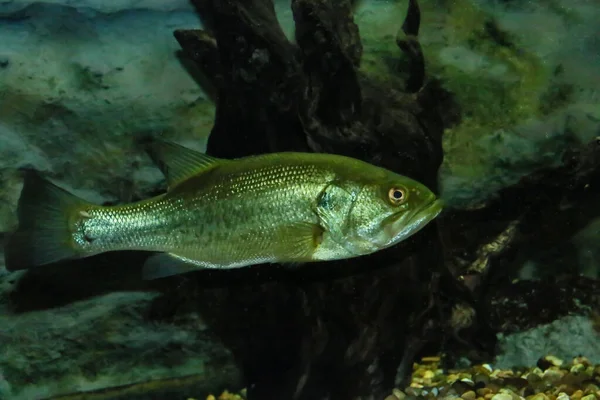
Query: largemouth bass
(217, 213)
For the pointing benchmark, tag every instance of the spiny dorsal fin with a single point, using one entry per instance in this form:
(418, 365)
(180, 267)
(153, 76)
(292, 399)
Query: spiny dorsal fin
(179, 163)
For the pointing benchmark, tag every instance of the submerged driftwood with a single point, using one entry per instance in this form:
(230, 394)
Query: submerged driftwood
(351, 329)
(325, 331)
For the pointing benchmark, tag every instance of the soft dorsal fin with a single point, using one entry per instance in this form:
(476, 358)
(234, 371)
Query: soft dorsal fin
(179, 163)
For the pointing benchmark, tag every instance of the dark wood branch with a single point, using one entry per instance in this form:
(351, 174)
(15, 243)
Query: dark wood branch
(331, 51)
(407, 40)
(289, 331)
(259, 105)
(201, 48)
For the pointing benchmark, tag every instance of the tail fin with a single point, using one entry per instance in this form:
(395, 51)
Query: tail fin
(45, 233)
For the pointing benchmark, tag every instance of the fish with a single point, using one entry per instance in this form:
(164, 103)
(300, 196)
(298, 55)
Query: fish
(288, 208)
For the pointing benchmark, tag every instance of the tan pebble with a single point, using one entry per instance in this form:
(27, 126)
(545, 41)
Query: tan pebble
(589, 397)
(591, 388)
(400, 395)
(211, 397)
(581, 360)
(554, 360)
(537, 371)
(391, 397)
(501, 396)
(484, 391)
(488, 396)
(428, 374)
(469, 395)
(577, 368)
(512, 394)
(577, 395)
(534, 378)
(552, 375)
(563, 396)
(539, 396)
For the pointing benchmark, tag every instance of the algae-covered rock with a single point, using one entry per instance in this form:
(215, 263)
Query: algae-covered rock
(78, 87)
(106, 343)
(566, 338)
(524, 76)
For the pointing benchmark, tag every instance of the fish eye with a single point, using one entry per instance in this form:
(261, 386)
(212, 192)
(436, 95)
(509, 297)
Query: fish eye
(397, 195)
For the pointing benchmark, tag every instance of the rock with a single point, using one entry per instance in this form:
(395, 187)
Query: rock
(567, 337)
(104, 343)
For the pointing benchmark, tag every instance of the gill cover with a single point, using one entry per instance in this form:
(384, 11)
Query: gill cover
(334, 206)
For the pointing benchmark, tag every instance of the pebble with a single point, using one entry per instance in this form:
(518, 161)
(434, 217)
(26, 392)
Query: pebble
(577, 368)
(502, 396)
(539, 396)
(552, 375)
(554, 360)
(552, 379)
(582, 360)
(400, 395)
(470, 395)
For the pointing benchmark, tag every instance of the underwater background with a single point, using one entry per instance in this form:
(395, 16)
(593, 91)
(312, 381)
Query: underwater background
(498, 299)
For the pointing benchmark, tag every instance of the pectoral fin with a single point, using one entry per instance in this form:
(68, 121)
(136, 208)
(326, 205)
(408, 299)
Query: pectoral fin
(299, 242)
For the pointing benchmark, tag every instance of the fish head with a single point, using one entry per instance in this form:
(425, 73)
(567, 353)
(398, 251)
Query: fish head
(388, 211)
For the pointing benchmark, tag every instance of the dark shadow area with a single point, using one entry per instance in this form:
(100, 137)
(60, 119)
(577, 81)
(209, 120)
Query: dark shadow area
(62, 283)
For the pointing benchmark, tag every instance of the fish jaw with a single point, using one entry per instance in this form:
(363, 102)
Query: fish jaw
(407, 225)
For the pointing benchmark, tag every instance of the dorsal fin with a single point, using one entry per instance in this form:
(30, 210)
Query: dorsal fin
(177, 162)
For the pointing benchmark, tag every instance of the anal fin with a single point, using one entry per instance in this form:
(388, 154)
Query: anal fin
(163, 265)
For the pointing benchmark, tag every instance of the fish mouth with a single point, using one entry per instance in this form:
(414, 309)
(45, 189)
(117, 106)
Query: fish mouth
(429, 211)
(406, 227)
